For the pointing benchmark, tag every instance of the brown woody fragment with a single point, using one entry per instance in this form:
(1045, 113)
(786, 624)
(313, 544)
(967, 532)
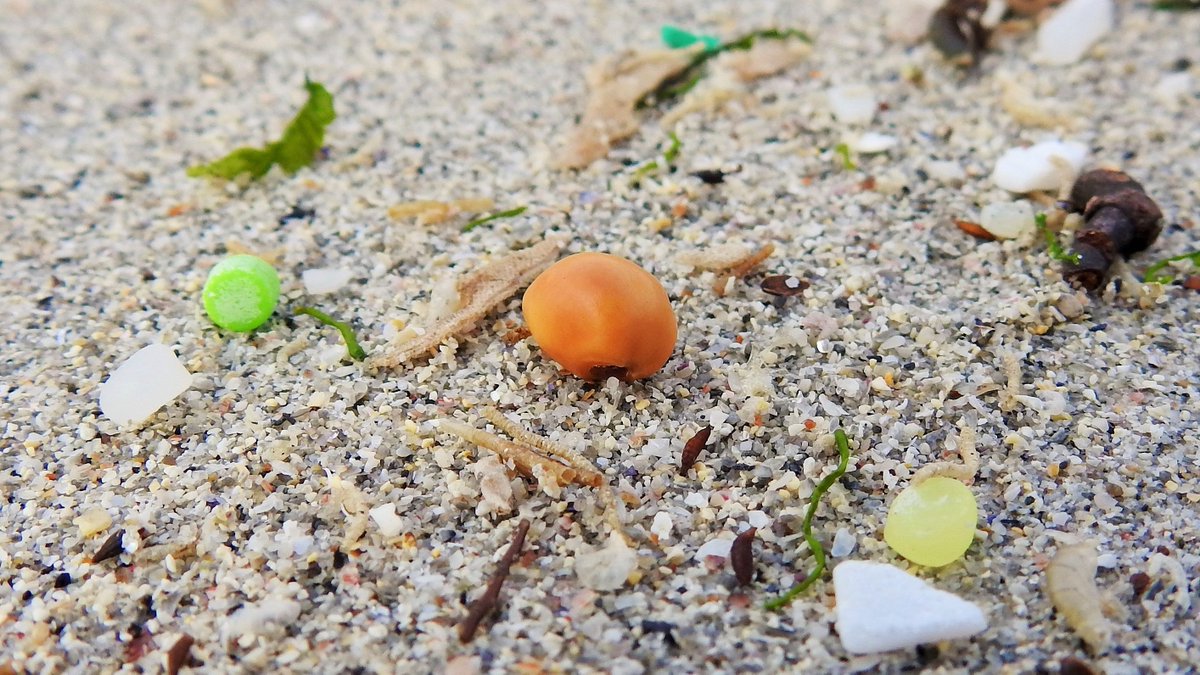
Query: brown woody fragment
(741, 556)
(975, 230)
(179, 655)
(691, 449)
(484, 604)
(783, 285)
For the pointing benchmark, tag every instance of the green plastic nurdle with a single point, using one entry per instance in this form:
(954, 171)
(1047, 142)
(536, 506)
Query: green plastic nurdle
(843, 446)
(241, 293)
(678, 38)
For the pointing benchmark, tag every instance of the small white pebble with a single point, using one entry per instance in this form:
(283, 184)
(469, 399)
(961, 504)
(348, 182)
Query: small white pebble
(385, 517)
(661, 527)
(1039, 167)
(259, 618)
(92, 521)
(148, 380)
(1007, 220)
(607, 568)
(717, 548)
(1072, 30)
(945, 172)
(852, 103)
(758, 519)
(843, 543)
(325, 280)
(871, 143)
(1171, 88)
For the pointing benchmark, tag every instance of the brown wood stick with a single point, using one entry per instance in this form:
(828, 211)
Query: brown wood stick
(484, 604)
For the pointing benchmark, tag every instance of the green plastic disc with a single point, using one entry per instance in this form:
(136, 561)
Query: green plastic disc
(241, 293)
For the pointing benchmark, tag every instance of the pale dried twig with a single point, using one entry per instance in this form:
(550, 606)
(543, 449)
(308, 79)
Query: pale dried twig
(732, 69)
(964, 471)
(524, 459)
(479, 292)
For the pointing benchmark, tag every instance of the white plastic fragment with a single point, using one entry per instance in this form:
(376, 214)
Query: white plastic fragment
(147, 381)
(260, 618)
(881, 608)
(1072, 30)
(872, 142)
(1044, 166)
(385, 517)
(92, 521)
(1007, 220)
(852, 103)
(606, 568)
(945, 172)
(325, 280)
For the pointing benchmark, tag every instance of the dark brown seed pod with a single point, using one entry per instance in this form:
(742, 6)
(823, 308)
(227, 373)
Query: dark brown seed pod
(741, 556)
(1120, 219)
(691, 449)
(975, 230)
(957, 33)
(783, 285)
(111, 548)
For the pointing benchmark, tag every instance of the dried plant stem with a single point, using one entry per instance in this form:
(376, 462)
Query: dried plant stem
(485, 603)
(586, 473)
(479, 293)
(522, 457)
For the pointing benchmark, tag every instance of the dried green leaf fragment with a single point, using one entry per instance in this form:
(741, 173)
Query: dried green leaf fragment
(294, 150)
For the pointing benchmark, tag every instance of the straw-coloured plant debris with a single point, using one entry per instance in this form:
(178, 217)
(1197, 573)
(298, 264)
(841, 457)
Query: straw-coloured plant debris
(479, 292)
(434, 212)
(732, 70)
(552, 466)
(730, 263)
(1071, 584)
(963, 471)
(616, 85)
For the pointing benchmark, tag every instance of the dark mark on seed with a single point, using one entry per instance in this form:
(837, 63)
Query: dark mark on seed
(485, 603)
(691, 449)
(741, 556)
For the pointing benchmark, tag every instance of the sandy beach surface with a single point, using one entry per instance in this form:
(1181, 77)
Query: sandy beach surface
(298, 511)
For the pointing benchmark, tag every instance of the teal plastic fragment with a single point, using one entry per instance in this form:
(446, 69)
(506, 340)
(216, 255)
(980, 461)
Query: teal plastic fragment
(678, 38)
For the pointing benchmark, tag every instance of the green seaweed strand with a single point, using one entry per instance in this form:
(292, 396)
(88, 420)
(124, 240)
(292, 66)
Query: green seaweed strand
(352, 346)
(1052, 243)
(843, 446)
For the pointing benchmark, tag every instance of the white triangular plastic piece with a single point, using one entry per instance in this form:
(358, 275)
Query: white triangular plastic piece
(881, 608)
